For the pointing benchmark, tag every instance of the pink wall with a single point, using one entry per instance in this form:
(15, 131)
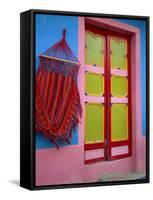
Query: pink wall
(67, 164)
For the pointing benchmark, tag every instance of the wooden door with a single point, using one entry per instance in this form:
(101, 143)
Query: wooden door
(119, 100)
(107, 96)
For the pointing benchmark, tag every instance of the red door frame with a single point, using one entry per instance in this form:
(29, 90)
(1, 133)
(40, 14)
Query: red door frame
(108, 144)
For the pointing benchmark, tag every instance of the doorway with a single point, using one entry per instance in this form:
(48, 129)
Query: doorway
(108, 124)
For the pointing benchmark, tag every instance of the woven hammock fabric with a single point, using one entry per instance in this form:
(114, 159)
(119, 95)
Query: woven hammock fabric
(58, 105)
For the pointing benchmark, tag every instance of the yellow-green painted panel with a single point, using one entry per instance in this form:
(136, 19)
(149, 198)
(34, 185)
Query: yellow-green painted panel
(119, 122)
(94, 84)
(94, 46)
(94, 123)
(119, 86)
(118, 53)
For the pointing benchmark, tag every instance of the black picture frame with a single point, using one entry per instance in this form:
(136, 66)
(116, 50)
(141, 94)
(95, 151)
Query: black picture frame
(27, 99)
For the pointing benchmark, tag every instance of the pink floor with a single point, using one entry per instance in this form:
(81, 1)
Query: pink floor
(67, 166)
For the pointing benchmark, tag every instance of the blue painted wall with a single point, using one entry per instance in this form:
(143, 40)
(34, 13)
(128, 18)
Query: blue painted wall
(141, 24)
(49, 31)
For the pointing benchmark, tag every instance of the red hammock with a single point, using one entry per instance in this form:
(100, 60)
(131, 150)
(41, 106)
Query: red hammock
(57, 98)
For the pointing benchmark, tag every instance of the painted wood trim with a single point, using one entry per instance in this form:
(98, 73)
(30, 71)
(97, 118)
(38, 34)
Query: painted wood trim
(93, 146)
(94, 99)
(119, 100)
(119, 150)
(94, 69)
(92, 154)
(119, 143)
(119, 72)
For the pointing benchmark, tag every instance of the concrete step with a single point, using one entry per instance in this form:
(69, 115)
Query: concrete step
(122, 176)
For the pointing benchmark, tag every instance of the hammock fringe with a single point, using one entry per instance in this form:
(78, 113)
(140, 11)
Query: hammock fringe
(57, 127)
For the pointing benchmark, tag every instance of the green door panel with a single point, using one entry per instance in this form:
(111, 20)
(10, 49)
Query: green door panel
(119, 86)
(119, 122)
(118, 53)
(94, 123)
(94, 84)
(94, 46)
